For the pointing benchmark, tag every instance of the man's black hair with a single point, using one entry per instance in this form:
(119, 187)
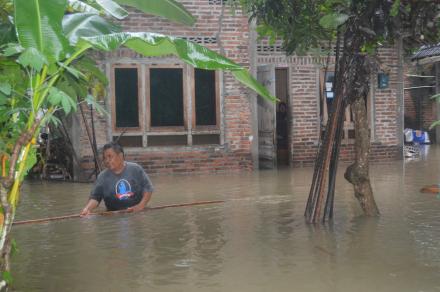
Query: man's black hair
(115, 146)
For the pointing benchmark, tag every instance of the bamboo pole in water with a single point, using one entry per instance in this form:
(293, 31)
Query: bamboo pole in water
(105, 213)
(326, 153)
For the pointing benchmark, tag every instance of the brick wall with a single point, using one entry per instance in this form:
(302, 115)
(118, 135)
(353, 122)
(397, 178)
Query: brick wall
(304, 74)
(385, 105)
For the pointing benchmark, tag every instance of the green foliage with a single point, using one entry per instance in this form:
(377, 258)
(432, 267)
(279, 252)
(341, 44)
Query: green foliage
(80, 6)
(113, 8)
(11, 49)
(6, 89)
(88, 66)
(265, 31)
(59, 98)
(6, 275)
(395, 8)
(38, 26)
(304, 24)
(14, 247)
(13, 109)
(297, 23)
(169, 9)
(29, 162)
(86, 24)
(369, 48)
(92, 101)
(33, 58)
(436, 97)
(7, 32)
(333, 20)
(434, 124)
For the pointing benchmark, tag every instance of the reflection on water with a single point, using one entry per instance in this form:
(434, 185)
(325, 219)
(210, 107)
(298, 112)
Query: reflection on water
(256, 241)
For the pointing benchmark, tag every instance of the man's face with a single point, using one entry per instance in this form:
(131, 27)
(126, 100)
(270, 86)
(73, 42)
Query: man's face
(113, 161)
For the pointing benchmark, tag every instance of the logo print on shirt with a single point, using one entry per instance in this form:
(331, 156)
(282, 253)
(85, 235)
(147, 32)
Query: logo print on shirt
(123, 190)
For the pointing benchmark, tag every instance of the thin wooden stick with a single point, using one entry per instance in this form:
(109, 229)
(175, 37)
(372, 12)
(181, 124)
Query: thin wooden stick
(105, 213)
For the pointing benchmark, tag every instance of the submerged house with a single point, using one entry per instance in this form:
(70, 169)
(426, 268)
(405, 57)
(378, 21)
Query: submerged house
(173, 118)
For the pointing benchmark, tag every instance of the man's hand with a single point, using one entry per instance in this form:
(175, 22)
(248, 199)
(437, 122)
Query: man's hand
(139, 207)
(84, 212)
(91, 204)
(136, 208)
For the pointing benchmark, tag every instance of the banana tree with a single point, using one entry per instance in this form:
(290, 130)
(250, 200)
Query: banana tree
(39, 69)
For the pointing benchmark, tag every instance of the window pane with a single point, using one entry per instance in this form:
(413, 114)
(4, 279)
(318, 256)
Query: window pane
(126, 92)
(205, 97)
(129, 141)
(206, 139)
(166, 97)
(172, 140)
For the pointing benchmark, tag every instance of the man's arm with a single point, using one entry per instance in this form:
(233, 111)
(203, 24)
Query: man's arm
(91, 204)
(141, 205)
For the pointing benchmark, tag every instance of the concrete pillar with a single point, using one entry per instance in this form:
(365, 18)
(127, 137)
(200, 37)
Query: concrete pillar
(253, 96)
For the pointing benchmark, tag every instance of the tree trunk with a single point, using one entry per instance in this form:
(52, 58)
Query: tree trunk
(356, 87)
(358, 172)
(351, 87)
(5, 243)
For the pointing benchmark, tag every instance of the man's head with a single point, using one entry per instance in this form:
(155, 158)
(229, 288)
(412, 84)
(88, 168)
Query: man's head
(113, 155)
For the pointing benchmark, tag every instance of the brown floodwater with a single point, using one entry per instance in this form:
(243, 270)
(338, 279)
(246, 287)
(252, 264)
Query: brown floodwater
(256, 240)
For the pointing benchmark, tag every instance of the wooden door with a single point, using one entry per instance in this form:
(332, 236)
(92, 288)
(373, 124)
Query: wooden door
(266, 119)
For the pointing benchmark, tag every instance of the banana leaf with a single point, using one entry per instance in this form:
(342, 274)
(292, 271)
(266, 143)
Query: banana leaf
(38, 26)
(79, 6)
(77, 25)
(153, 44)
(113, 8)
(168, 9)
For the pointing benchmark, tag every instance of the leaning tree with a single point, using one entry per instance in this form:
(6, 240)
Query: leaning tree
(357, 29)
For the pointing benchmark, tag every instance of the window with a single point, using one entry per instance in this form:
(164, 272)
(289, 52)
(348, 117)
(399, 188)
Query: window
(127, 99)
(326, 100)
(205, 90)
(166, 97)
(165, 105)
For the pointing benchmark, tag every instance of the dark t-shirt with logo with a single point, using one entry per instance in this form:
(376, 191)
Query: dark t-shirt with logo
(124, 190)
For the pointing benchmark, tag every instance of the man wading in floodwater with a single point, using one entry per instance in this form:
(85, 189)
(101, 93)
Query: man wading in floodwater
(123, 185)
